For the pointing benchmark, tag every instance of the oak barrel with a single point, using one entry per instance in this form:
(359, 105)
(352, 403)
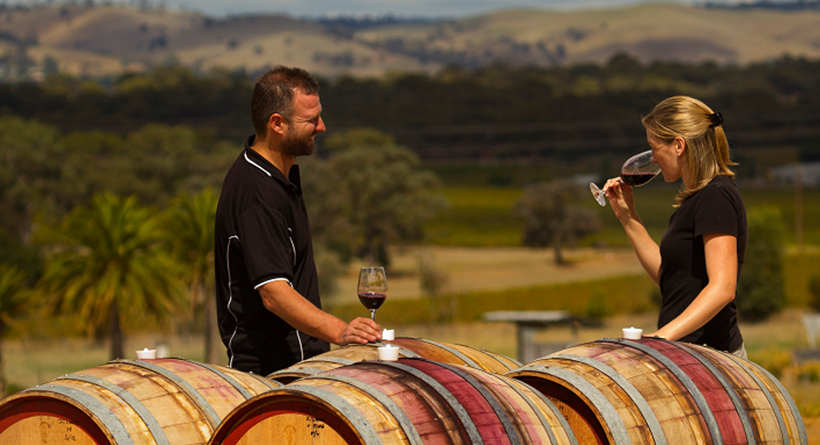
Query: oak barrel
(653, 391)
(129, 402)
(409, 348)
(409, 401)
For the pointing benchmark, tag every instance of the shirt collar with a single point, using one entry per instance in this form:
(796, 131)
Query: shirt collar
(292, 182)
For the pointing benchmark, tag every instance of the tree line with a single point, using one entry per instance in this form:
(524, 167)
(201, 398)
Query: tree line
(496, 112)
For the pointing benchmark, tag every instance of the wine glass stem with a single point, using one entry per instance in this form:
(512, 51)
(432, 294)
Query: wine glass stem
(373, 314)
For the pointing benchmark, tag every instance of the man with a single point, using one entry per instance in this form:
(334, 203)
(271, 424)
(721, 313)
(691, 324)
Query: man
(268, 304)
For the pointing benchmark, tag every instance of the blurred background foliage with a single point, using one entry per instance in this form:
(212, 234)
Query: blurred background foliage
(408, 159)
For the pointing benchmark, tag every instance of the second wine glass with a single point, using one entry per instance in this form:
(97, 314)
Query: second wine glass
(636, 171)
(372, 288)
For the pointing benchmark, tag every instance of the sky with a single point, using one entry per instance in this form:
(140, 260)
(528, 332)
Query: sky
(398, 8)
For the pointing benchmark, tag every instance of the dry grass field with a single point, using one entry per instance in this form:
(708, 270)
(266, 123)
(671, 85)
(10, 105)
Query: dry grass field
(493, 268)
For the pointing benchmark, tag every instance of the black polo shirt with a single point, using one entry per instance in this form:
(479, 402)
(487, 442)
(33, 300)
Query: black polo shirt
(262, 235)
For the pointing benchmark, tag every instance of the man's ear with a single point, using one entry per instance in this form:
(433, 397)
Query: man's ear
(276, 123)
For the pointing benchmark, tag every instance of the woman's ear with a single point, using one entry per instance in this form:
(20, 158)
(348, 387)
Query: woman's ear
(680, 146)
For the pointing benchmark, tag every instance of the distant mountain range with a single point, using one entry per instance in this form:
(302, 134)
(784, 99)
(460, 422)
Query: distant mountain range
(104, 40)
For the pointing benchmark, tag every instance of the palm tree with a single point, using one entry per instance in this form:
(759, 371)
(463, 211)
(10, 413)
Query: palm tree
(12, 283)
(190, 229)
(109, 264)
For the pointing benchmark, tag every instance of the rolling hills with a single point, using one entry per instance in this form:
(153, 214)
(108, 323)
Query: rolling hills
(100, 40)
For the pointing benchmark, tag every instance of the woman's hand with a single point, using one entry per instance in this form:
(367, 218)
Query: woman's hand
(623, 205)
(621, 199)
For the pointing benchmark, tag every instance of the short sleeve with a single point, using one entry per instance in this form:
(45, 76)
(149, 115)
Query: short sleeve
(717, 211)
(266, 245)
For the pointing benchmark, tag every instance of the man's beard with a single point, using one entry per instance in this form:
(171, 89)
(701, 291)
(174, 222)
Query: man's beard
(298, 146)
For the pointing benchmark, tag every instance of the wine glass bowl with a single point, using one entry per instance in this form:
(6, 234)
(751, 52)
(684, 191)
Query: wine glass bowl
(636, 171)
(372, 288)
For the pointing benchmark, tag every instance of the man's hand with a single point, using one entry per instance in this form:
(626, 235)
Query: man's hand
(361, 330)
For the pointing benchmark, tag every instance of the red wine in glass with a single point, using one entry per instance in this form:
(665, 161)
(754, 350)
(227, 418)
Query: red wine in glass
(372, 288)
(372, 300)
(636, 171)
(637, 179)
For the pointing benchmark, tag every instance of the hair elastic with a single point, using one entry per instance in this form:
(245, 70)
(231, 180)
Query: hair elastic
(716, 118)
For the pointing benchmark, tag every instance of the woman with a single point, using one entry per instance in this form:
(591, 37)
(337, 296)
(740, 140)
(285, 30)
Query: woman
(698, 262)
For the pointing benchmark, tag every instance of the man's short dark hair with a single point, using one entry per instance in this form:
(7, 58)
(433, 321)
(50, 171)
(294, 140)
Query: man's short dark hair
(273, 93)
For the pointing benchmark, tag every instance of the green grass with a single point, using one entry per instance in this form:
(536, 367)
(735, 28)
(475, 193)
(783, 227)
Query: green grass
(483, 215)
(477, 217)
(612, 296)
(799, 268)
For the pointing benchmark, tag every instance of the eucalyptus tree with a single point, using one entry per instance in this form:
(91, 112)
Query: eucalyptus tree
(189, 225)
(551, 216)
(761, 289)
(389, 196)
(30, 155)
(106, 262)
(12, 302)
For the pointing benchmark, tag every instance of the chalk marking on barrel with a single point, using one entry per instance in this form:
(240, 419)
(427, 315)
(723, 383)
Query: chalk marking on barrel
(392, 407)
(245, 393)
(112, 423)
(357, 420)
(132, 401)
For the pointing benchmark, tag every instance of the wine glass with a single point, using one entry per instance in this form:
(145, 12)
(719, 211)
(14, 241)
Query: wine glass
(372, 288)
(636, 171)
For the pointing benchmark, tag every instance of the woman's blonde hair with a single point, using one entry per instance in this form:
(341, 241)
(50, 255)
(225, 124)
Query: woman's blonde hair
(707, 150)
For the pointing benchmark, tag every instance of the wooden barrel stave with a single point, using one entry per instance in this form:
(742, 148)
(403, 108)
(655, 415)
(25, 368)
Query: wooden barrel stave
(714, 401)
(433, 419)
(412, 400)
(335, 358)
(409, 348)
(674, 408)
(486, 360)
(693, 393)
(162, 401)
(435, 351)
(772, 412)
(531, 415)
(483, 410)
